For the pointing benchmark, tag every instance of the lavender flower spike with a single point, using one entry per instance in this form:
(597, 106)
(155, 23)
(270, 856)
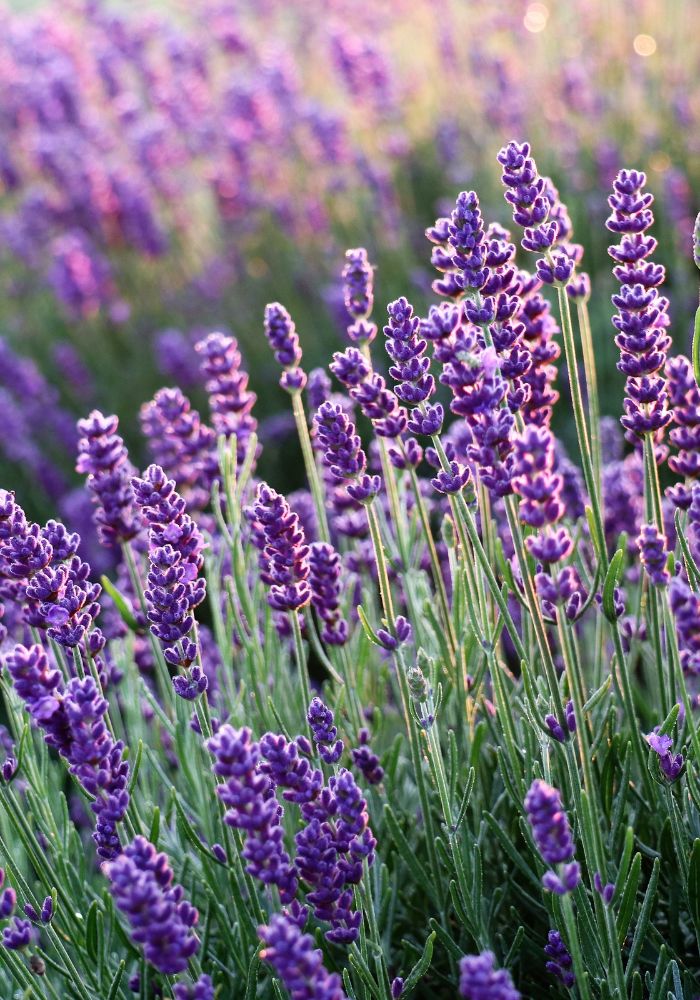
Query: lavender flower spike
(285, 551)
(480, 980)
(103, 456)
(161, 920)
(298, 964)
(282, 337)
(552, 835)
(342, 452)
(358, 295)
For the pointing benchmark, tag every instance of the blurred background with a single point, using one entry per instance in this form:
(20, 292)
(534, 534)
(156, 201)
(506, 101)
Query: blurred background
(169, 168)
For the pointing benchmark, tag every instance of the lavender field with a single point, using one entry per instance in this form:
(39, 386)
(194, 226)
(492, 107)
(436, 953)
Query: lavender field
(349, 500)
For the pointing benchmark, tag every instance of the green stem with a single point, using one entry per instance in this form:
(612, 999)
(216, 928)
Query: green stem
(312, 475)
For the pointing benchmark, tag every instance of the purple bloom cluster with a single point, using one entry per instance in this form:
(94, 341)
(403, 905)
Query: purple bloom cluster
(175, 557)
(342, 452)
(284, 552)
(642, 318)
(103, 456)
(555, 728)
(325, 734)
(358, 295)
(559, 961)
(202, 989)
(282, 337)
(324, 579)
(685, 605)
(684, 399)
(331, 850)
(537, 208)
(230, 399)
(480, 980)
(410, 369)
(249, 797)
(298, 964)
(552, 835)
(161, 919)
(365, 761)
(662, 745)
(181, 444)
(539, 330)
(652, 551)
(541, 507)
(73, 720)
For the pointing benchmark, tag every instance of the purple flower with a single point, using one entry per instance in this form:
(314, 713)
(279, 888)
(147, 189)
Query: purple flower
(324, 580)
(350, 367)
(671, 766)
(406, 349)
(358, 295)
(282, 337)
(230, 399)
(285, 552)
(320, 719)
(555, 728)
(161, 919)
(642, 316)
(552, 835)
(249, 797)
(684, 398)
(480, 980)
(8, 901)
(559, 961)
(181, 444)
(203, 989)
(539, 329)
(652, 551)
(605, 891)
(366, 761)
(539, 486)
(175, 558)
(342, 451)
(685, 605)
(17, 935)
(103, 456)
(298, 964)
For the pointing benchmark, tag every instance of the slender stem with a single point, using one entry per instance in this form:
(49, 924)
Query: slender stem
(589, 367)
(310, 464)
(302, 665)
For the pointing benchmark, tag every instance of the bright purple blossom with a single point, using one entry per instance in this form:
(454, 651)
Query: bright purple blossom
(324, 732)
(552, 835)
(285, 551)
(161, 920)
(297, 963)
(480, 980)
(358, 295)
(559, 961)
(662, 745)
(103, 456)
(230, 399)
(248, 795)
(652, 551)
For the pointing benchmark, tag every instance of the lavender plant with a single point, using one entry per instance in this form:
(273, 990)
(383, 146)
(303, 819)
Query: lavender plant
(428, 727)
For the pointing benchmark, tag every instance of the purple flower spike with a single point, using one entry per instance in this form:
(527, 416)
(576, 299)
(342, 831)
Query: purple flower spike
(342, 452)
(161, 920)
(324, 580)
(685, 605)
(540, 487)
(552, 835)
(358, 295)
(17, 935)
(285, 552)
(248, 795)
(366, 761)
(298, 964)
(480, 980)
(652, 551)
(320, 719)
(8, 901)
(642, 317)
(671, 766)
(559, 961)
(406, 349)
(282, 337)
(103, 456)
(606, 891)
(684, 398)
(203, 989)
(230, 399)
